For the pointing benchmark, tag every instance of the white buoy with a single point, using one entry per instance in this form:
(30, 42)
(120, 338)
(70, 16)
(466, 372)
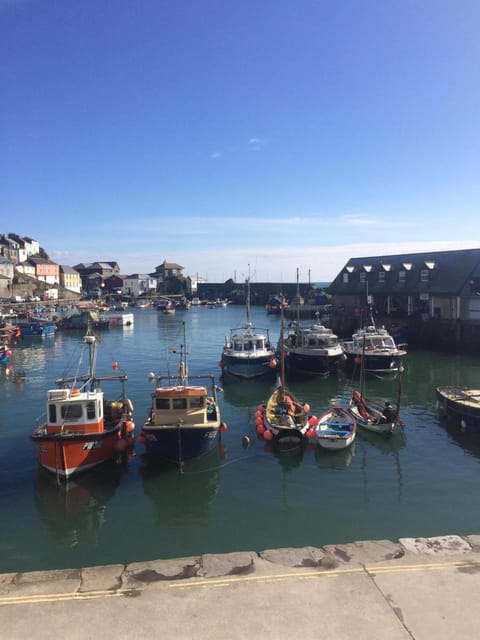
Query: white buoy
(151, 376)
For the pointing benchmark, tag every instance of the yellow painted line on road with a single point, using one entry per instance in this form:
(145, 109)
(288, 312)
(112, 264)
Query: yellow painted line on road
(232, 580)
(279, 577)
(59, 597)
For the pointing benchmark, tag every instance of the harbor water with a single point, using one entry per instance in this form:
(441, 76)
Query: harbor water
(421, 482)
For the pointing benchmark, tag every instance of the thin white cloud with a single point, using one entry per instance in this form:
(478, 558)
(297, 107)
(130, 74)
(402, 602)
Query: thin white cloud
(257, 143)
(215, 154)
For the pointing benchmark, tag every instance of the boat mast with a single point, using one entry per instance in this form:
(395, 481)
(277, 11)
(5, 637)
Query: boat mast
(91, 341)
(249, 323)
(183, 366)
(282, 354)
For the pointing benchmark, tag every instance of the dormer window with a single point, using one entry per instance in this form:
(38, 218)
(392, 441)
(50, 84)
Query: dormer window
(408, 266)
(367, 267)
(386, 266)
(350, 268)
(430, 264)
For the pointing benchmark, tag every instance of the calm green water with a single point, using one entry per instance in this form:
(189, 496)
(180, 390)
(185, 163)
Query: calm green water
(421, 484)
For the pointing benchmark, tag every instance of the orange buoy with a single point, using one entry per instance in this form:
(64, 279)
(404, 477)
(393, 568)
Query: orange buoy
(223, 427)
(268, 435)
(75, 392)
(260, 429)
(114, 364)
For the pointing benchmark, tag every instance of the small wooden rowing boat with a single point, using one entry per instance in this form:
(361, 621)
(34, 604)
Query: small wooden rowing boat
(336, 429)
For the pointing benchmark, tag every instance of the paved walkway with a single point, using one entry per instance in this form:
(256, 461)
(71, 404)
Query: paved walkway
(420, 589)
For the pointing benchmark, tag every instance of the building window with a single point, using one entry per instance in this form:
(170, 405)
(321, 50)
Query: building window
(345, 278)
(424, 275)
(402, 276)
(381, 277)
(363, 277)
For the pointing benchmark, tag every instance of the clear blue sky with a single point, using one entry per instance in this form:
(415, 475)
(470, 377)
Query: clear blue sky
(219, 134)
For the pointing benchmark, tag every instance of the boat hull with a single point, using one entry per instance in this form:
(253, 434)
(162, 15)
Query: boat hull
(385, 428)
(70, 455)
(377, 363)
(336, 429)
(287, 427)
(248, 368)
(460, 404)
(38, 330)
(311, 364)
(180, 443)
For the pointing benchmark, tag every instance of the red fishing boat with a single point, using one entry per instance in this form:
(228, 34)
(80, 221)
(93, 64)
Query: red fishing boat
(83, 428)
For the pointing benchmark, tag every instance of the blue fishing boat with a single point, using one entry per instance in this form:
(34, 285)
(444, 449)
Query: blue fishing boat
(184, 421)
(35, 326)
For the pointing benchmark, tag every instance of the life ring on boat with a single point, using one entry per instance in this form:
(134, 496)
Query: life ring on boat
(75, 392)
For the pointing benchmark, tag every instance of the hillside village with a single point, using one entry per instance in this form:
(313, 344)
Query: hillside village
(27, 273)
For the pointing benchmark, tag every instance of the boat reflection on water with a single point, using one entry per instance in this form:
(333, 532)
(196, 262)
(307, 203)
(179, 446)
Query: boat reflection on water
(288, 454)
(74, 511)
(335, 459)
(466, 439)
(183, 498)
(387, 444)
(246, 393)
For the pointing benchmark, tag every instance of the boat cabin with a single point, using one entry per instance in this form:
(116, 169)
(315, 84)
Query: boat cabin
(247, 341)
(72, 412)
(189, 404)
(315, 337)
(374, 339)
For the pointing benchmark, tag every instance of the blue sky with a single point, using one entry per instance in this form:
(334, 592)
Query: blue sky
(219, 134)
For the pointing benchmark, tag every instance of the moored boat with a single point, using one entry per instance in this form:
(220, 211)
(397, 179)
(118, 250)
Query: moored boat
(275, 304)
(5, 354)
(284, 418)
(381, 353)
(247, 352)
(336, 429)
(184, 420)
(373, 415)
(462, 404)
(32, 325)
(83, 428)
(312, 350)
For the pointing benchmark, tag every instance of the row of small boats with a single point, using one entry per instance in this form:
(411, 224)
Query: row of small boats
(248, 351)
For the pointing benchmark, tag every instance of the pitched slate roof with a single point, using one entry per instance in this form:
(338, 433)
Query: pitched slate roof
(448, 273)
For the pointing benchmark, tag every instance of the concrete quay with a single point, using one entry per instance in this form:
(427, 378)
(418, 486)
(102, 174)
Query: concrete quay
(413, 589)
